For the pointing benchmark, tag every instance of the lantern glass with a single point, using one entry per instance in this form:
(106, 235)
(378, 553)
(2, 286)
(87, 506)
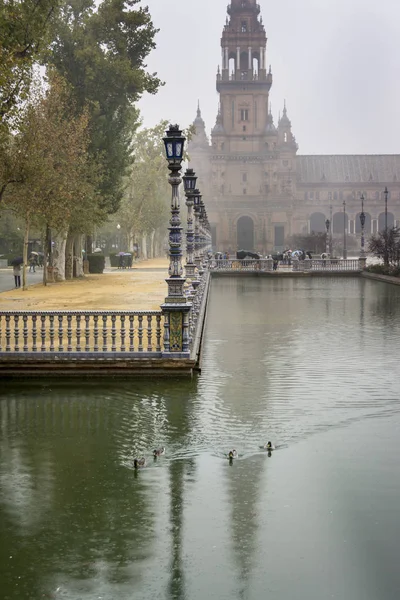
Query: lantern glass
(189, 180)
(174, 145)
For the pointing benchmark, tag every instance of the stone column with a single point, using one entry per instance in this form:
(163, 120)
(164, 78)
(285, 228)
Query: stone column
(250, 60)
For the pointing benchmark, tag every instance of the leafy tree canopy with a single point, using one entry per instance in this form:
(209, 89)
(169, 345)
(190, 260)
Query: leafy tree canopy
(24, 26)
(100, 50)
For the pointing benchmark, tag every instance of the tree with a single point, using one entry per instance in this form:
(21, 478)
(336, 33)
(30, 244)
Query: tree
(385, 245)
(100, 50)
(56, 184)
(24, 27)
(145, 204)
(313, 242)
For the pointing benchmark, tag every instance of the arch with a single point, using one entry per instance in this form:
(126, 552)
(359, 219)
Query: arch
(317, 223)
(340, 221)
(232, 64)
(256, 64)
(367, 226)
(245, 233)
(381, 221)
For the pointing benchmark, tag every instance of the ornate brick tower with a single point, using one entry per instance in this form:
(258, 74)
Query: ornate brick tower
(248, 188)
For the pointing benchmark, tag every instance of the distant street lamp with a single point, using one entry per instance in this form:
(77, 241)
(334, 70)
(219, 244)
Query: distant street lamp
(189, 183)
(386, 257)
(344, 231)
(362, 221)
(330, 232)
(327, 225)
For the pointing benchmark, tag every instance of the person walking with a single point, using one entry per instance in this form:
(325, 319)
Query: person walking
(17, 275)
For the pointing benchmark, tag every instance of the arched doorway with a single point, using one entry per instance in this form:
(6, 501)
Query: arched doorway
(381, 221)
(367, 226)
(340, 222)
(317, 223)
(245, 233)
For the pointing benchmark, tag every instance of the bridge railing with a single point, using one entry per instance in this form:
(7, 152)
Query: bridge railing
(267, 265)
(334, 264)
(81, 333)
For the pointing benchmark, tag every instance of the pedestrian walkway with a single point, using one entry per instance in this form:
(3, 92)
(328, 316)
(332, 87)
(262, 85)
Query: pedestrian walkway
(140, 288)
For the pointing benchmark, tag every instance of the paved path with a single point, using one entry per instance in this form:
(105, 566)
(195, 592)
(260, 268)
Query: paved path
(7, 279)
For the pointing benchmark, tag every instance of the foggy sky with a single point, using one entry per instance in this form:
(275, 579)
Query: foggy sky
(337, 63)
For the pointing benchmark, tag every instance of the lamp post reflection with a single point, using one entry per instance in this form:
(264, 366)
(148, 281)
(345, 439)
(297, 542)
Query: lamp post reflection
(362, 221)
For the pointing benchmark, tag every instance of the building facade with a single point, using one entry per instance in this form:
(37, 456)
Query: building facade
(259, 191)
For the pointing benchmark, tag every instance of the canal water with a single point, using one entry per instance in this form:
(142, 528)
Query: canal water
(313, 366)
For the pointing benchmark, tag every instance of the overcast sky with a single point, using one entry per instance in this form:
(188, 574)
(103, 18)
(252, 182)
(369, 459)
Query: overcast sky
(337, 63)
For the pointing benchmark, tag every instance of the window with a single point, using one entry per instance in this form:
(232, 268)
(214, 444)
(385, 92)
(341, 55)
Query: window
(335, 196)
(285, 163)
(317, 195)
(222, 146)
(243, 75)
(305, 195)
(244, 127)
(244, 191)
(244, 114)
(311, 195)
(285, 138)
(244, 177)
(329, 195)
(244, 138)
(244, 26)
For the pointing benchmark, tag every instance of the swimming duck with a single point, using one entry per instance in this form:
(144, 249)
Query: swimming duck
(269, 446)
(158, 452)
(139, 463)
(232, 454)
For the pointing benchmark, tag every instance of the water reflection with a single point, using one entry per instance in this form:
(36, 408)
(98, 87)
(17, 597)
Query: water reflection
(283, 361)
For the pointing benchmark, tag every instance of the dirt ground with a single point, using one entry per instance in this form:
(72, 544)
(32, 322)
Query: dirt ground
(136, 289)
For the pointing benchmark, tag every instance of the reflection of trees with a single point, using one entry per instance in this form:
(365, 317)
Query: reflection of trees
(89, 509)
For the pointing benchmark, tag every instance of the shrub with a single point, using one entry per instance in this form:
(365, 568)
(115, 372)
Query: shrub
(382, 270)
(97, 262)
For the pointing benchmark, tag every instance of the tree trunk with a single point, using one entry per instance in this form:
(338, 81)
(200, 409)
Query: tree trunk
(78, 244)
(69, 257)
(25, 253)
(144, 246)
(152, 237)
(60, 240)
(47, 242)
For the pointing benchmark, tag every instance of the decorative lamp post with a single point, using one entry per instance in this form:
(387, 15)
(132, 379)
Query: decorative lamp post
(197, 202)
(176, 308)
(362, 221)
(327, 225)
(344, 232)
(330, 236)
(386, 258)
(189, 184)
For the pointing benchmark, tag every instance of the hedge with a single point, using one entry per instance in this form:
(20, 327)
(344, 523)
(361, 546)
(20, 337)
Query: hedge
(97, 263)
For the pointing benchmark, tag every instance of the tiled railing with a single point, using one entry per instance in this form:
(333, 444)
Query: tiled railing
(81, 332)
(267, 265)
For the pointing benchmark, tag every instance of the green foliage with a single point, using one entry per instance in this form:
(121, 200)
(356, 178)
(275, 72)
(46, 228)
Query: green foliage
(97, 263)
(24, 29)
(145, 206)
(384, 270)
(100, 50)
(54, 178)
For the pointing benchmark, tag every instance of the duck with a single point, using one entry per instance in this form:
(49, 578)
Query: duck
(269, 446)
(139, 463)
(232, 454)
(158, 452)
